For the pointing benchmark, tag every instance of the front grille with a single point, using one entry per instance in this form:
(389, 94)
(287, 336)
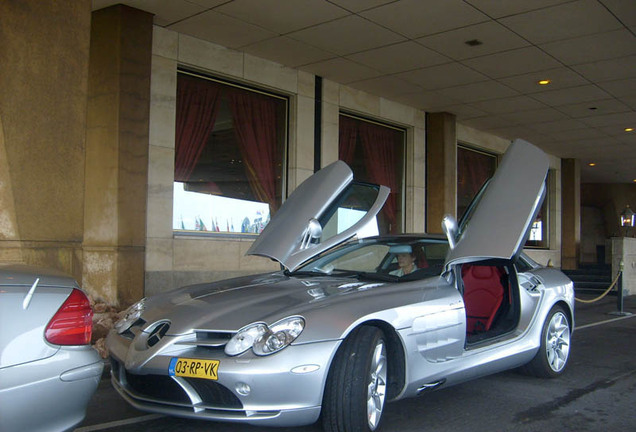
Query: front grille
(214, 394)
(165, 389)
(160, 387)
(206, 339)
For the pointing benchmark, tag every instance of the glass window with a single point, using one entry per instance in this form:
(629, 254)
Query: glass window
(379, 257)
(375, 153)
(539, 230)
(354, 203)
(474, 167)
(229, 153)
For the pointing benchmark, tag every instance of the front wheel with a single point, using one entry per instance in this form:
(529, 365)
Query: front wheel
(356, 386)
(552, 357)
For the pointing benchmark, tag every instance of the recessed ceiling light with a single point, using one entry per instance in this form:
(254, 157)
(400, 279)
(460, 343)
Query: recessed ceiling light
(544, 82)
(474, 42)
(629, 129)
(592, 164)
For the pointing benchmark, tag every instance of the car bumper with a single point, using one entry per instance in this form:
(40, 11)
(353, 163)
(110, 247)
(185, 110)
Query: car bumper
(35, 387)
(283, 389)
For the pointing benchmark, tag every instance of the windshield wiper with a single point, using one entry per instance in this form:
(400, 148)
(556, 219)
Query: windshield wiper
(345, 273)
(305, 273)
(366, 275)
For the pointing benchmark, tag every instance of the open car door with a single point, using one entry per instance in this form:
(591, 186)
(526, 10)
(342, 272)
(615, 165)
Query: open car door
(498, 222)
(324, 211)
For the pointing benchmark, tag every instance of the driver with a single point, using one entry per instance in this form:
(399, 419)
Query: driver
(406, 260)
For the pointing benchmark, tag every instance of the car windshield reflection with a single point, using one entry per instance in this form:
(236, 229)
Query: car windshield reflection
(391, 259)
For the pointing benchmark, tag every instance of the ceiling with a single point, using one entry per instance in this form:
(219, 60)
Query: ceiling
(478, 59)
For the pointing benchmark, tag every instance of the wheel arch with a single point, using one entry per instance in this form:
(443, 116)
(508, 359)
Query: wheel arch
(395, 353)
(566, 307)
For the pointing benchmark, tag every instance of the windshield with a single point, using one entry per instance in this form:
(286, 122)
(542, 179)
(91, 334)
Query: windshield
(382, 259)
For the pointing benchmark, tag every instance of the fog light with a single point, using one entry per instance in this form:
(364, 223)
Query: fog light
(242, 389)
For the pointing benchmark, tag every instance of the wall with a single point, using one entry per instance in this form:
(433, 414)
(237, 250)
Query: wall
(44, 53)
(175, 260)
(593, 236)
(610, 199)
(602, 205)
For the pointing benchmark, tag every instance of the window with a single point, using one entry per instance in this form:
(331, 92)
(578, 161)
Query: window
(229, 153)
(474, 167)
(375, 153)
(539, 230)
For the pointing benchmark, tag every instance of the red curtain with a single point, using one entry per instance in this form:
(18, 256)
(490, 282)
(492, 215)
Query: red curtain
(473, 169)
(348, 136)
(380, 144)
(255, 127)
(197, 107)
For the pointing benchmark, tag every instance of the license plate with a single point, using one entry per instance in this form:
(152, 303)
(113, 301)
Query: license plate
(195, 368)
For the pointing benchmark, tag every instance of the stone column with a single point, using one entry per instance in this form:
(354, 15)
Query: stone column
(117, 154)
(441, 169)
(44, 51)
(571, 213)
(624, 252)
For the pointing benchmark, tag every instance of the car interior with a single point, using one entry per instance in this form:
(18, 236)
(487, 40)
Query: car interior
(491, 299)
(429, 259)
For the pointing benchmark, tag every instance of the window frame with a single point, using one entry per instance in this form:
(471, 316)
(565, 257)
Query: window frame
(284, 150)
(495, 156)
(403, 165)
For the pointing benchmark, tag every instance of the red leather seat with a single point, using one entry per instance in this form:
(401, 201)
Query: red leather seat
(483, 295)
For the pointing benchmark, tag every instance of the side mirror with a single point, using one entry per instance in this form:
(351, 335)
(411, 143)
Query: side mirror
(449, 226)
(312, 233)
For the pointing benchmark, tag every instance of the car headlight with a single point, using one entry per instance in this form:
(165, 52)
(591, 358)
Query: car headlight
(265, 340)
(131, 315)
(245, 338)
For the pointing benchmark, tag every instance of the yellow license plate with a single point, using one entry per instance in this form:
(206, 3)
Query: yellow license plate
(195, 368)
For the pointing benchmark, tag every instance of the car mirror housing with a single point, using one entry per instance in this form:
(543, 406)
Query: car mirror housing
(449, 225)
(312, 234)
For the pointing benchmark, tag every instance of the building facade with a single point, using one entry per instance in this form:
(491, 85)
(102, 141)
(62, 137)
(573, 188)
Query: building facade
(88, 120)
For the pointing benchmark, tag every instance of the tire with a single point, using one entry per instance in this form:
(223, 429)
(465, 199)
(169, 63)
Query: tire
(356, 385)
(552, 357)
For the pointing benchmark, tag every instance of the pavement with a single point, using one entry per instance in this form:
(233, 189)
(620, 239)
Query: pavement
(604, 309)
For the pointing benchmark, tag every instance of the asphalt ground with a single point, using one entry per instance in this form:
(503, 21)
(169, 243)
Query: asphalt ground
(597, 392)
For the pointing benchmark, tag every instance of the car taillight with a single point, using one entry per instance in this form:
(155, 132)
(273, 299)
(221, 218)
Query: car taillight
(72, 324)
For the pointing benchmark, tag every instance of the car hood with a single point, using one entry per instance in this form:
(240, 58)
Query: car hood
(232, 304)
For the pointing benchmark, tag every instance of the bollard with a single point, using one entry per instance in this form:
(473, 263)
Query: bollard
(619, 293)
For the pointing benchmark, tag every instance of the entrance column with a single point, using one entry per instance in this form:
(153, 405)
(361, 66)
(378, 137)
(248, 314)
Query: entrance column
(441, 169)
(571, 213)
(117, 154)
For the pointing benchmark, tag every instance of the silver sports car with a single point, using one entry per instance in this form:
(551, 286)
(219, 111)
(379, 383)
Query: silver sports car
(350, 323)
(48, 370)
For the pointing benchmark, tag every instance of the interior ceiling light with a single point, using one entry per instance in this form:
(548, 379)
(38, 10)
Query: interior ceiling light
(544, 82)
(592, 164)
(629, 129)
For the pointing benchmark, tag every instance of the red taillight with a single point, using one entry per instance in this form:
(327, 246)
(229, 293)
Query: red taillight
(72, 324)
